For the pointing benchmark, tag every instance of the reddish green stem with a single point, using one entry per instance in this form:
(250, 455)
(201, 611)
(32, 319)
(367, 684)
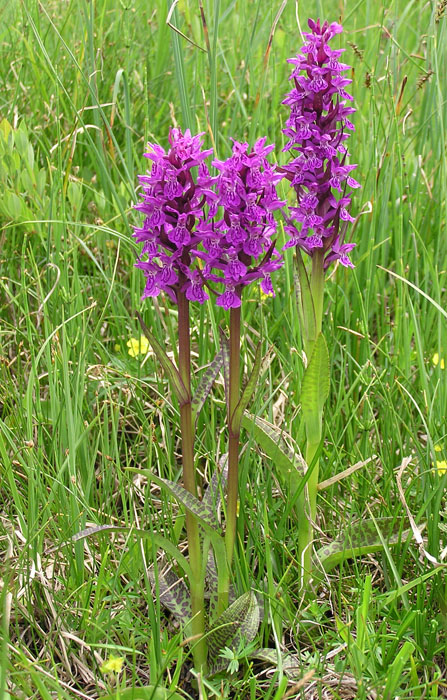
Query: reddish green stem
(233, 446)
(200, 652)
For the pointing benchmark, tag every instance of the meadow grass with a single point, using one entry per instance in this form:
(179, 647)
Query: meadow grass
(83, 86)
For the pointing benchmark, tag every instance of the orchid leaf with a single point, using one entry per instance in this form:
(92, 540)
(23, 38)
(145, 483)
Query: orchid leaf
(212, 580)
(149, 692)
(201, 510)
(212, 583)
(174, 594)
(361, 538)
(315, 388)
(157, 539)
(205, 384)
(271, 439)
(290, 663)
(225, 348)
(305, 304)
(239, 619)
(168, 366)
(218, 485)
(247, 393)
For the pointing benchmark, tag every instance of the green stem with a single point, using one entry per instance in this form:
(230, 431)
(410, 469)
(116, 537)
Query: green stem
(307, 502)
(200, 651)
(317, 291)
(233, 447)
(307, 505)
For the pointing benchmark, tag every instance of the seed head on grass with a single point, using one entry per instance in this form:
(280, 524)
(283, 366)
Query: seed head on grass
(239, 247)
(317, 129)
(174, 201)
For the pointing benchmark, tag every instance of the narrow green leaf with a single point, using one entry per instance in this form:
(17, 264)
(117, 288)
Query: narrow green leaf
(180, 67)
(150, 692)
(271, 438)
(305, 304)
(315, 388)
(225, 348)
(171, 370)
(201, 510)
(157, 539)
(394, 672)
(361, 538)
(247, 393)
(205, 384)
(174, 594)
(240, 618)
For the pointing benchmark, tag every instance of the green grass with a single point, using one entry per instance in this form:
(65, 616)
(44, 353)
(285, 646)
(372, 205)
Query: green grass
(83, 85)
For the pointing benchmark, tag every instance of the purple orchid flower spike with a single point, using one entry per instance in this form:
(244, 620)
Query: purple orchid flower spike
(238, 247)
(173, 202)
(317, 129)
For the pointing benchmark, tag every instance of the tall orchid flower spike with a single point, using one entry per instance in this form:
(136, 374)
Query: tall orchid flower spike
(175, 196)
(320, 174)
(239, 249)
(174, 202)
(317, 130)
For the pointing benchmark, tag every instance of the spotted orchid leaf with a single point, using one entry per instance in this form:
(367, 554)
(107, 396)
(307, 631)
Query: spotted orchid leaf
(171, 370)
(174, 594)
(271, 439)
(218, 485)
(212, 581)
(205, 385)
(157, 539)
(290, 663)
(201, 510)
(240, 619)
(363, 537)
(247, 393)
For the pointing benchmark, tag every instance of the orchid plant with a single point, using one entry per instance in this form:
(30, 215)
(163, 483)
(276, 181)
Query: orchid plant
(205, 235)
(209, 236)
(317, 130)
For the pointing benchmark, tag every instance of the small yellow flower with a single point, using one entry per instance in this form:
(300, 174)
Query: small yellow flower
(117, 347)
(114, 664)
(438, 448)
(266, 296)
(441, 467)
(138, 347)
(436, 361)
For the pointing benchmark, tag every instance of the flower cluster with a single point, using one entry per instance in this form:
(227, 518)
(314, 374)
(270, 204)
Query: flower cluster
(182, 225)
(173, 203)
(317, 128)
(239, 246)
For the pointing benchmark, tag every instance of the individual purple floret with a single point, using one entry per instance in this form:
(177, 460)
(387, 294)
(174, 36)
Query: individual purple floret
(239, 247)
(317, 128)
(173, 203)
